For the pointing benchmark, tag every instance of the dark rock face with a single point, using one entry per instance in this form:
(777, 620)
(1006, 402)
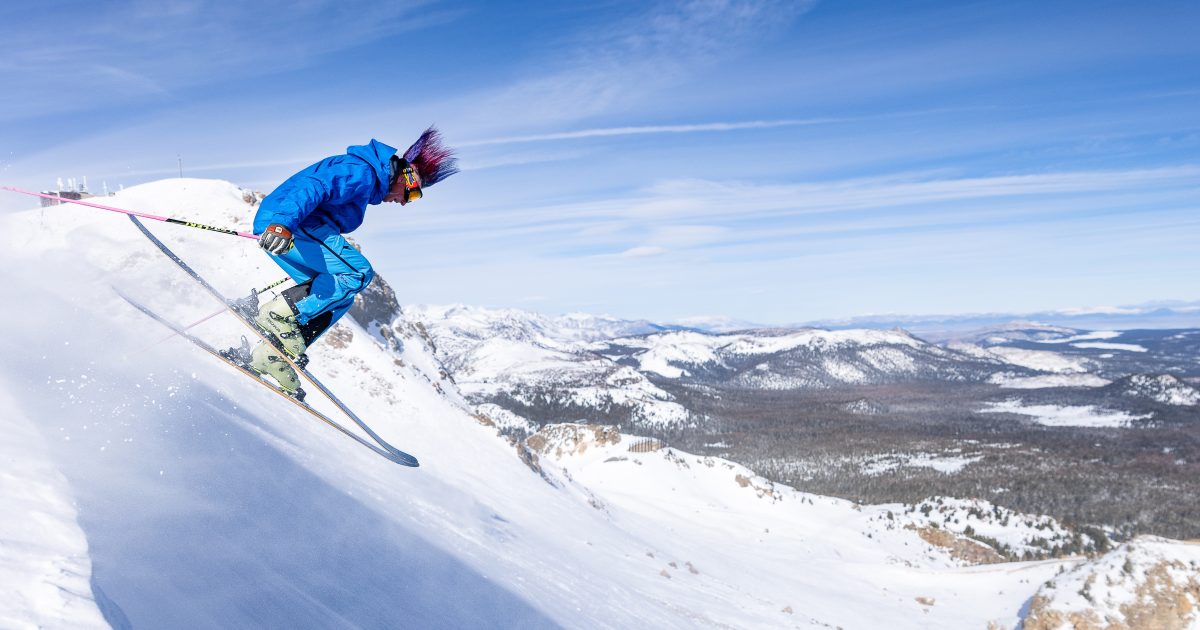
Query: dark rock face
(377, 305)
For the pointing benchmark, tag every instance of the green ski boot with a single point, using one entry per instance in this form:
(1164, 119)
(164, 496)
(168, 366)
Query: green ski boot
(278, 319)
(266, 359)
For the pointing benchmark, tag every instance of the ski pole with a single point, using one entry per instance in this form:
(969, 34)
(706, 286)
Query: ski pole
(131, 212)
(215, 313)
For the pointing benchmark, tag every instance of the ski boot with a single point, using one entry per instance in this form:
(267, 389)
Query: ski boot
(264, 360)
(277, 319)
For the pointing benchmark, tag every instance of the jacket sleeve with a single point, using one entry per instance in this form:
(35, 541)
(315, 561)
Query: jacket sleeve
(304, 192)
(291, 202)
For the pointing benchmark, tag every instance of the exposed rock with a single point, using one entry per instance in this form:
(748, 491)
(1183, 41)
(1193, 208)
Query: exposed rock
(961, 548)
(565, 439)
(1149, 583)
(339, 336)
(376, 305)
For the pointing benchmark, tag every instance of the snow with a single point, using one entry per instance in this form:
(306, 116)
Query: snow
(1098, 334)
(526, 355)
(477, 322)
(1089, 340)
(1065, 415)
(1128, 347)
(663, 350)
(669, 354)
(45, 570)
(756, 533)
(1061, 370)
(1010, 381)
(1042, 360)
(944, 463)
(170, 491)
(1163, 388)
(504, 418)
(1018, 531)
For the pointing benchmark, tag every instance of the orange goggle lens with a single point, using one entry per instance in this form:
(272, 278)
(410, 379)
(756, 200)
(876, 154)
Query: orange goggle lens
(412, 185)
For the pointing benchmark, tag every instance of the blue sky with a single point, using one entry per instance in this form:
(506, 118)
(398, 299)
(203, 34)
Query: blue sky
(769, 161)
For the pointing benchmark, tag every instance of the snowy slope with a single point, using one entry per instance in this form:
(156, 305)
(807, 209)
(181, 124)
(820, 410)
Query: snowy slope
(45, 570)
(207, 502)
(799, 560)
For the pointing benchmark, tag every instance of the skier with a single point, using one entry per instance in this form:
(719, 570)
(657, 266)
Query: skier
(301, 225)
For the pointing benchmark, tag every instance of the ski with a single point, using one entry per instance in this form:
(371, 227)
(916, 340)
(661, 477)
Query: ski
(400, 456)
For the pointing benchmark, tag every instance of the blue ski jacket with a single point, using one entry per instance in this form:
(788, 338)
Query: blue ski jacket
(334, 192)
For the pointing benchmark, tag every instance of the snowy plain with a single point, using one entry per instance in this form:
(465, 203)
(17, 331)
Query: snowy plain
(1065, 415)
(174, 492)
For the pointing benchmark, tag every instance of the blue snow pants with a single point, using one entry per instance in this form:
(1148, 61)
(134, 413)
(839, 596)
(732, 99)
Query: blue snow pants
(336, 270)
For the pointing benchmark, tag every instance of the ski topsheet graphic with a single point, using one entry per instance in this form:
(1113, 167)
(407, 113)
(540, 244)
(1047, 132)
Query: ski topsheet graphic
(381, 446)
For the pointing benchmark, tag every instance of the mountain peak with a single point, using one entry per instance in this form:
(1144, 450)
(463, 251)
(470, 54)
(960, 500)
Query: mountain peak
(1163, 388)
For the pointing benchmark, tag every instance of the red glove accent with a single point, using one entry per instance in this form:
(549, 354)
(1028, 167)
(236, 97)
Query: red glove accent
(276, 239)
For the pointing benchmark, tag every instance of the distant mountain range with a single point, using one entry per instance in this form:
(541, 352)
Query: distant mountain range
(1176, 314)
(581, 366)
(1150, 315)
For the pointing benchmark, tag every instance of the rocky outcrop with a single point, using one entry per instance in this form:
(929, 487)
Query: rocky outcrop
(1149, 583)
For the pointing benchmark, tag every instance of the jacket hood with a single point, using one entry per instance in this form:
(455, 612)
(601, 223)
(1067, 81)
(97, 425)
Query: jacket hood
(379, 156)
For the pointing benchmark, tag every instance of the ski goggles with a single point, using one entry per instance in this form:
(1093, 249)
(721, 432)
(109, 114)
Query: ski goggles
(412, 183)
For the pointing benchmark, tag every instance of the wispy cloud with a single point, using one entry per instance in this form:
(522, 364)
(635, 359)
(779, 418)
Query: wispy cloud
(681, 215)
(161, 47)
(644, 251)
(695, 199)
(614, 66)
(650, 129)
(124, 80)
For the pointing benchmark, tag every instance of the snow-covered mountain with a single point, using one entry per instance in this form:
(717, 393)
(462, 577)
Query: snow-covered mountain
(507, 361)
(459, 323)
(567, 373)
(539, 360)
(1163, 388)
(148, 485)
(485, 344)
(791, 359)
(1017, 330)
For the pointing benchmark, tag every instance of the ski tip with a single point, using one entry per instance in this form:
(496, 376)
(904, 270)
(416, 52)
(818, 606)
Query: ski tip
(404, 459)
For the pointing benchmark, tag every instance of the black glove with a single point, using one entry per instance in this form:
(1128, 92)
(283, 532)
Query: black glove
(276, 239)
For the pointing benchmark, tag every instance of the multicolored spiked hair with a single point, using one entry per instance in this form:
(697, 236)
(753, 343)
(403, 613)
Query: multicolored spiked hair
(433, 161)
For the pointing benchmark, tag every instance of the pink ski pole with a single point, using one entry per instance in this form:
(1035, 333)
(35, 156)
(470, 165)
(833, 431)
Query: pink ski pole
(136, 214)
